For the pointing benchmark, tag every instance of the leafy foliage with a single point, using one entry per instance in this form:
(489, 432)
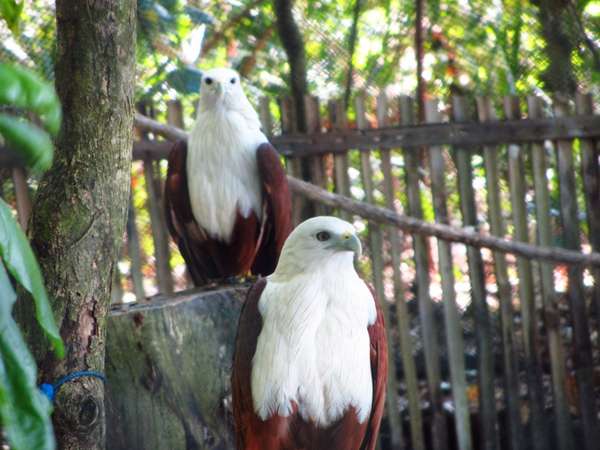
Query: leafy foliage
(24, 410)
(10, 10)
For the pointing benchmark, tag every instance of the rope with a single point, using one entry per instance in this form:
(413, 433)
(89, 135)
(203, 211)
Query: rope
(50, 390)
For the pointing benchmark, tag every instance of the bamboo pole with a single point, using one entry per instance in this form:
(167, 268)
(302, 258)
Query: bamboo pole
(428, 321)
(582, 355)
(293, 164)
(483, 330)
(376, 247)
(313, 126)
(454, 332)
(563, 427)
(590, 173)
(337, 117)
(264, 113)
(403, 317)
(510, 366)
(134, 251)
(516, 171)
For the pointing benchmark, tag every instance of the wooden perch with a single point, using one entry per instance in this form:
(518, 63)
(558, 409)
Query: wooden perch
(406, 223)
(168, 364)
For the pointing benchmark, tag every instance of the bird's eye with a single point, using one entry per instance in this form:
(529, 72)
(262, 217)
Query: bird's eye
(208, 80)
(323, 236)
(232, 81)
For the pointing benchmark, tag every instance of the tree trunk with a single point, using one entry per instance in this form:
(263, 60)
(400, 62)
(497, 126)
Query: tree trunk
(352, 37)
(554, 19)
(419, 55)
(168, 366)
(80, 209)
(293, 44)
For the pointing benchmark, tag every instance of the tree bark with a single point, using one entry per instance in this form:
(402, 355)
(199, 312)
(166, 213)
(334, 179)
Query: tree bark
(419, 55)
(293, 44)
(553, 16)
(80, 209)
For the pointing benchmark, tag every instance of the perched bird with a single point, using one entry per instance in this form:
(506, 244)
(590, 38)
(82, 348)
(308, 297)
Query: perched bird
(226, 195)
(310, 363)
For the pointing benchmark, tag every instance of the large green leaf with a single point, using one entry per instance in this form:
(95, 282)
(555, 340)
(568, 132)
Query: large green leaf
(24, 411)
(22, 265)
(21, 88)
(32, 143)
(10, 10)
(185, 80)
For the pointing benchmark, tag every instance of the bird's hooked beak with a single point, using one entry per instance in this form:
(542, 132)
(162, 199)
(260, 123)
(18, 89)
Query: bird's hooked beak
(348, 242)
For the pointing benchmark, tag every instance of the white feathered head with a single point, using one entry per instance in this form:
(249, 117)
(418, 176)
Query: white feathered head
(221, 90)
(315, 243)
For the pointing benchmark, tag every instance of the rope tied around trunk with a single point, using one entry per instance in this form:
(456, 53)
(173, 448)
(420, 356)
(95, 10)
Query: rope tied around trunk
(50, 390)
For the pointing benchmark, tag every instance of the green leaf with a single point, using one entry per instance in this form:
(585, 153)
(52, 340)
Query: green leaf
(22, 265)
(32, 143)
(21, 88)
(24, 410)
(185, 80)
(10, 11)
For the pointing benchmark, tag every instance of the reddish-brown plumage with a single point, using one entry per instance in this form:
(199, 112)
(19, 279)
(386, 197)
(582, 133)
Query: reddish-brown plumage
(292, 432)
(254, 245)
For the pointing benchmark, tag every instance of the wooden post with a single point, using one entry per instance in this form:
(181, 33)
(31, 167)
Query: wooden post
(563, 426)
(454, 336)
(159, 228)
(264, 113)
(135, 254)
(175, 114)
(396, 244)
(294, 164)
(582, 355)
(426, 314)
(313, 126)
(511, 369)
(590, 173)
(22, 196)
(516, 172)
(483, 328)
(376, 247)
(338, 119)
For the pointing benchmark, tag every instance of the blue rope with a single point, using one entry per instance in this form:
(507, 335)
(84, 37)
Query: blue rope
(50, 390)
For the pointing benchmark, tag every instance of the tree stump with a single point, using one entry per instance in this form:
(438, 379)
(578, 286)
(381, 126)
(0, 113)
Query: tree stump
(168, 365)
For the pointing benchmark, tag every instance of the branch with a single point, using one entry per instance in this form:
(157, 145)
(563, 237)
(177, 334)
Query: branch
(446, 232)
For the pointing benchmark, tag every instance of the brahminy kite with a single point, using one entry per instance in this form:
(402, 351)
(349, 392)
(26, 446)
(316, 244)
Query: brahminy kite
(226, 195)
(310, 363)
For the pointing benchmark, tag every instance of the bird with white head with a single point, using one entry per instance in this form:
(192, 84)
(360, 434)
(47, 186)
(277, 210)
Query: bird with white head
(310, 363)
(227, 198)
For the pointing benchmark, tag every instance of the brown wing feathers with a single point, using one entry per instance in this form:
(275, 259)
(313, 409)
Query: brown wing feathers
(277, 205)
(255, 245)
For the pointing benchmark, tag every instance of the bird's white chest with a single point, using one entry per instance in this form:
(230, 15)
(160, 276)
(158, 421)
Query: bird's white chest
(222, 172)
(314, 349)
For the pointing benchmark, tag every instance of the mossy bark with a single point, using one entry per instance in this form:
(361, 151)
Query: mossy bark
(81, 204)
(168, 364)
